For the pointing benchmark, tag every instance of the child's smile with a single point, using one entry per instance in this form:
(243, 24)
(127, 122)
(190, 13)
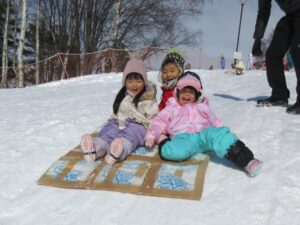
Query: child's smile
(186, 95)
(170, 71)
(135, 86)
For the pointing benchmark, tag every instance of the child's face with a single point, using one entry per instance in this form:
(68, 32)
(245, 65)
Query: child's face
(134, 86)
(186, 95)
(170, 71)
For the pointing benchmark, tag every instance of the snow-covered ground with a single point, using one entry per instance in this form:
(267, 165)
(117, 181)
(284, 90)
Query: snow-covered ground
(39, 124)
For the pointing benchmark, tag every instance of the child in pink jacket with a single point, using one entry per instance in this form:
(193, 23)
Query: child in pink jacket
(187, 126)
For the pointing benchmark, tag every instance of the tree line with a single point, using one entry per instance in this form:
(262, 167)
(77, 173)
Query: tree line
(33, 30)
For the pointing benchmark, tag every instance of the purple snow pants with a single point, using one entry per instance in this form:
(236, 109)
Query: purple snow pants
(134, 132)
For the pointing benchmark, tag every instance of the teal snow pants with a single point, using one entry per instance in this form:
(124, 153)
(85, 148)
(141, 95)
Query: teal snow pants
(184, 145)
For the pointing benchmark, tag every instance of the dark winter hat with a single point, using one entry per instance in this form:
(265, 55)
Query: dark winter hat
(173, 56)
(134, 66)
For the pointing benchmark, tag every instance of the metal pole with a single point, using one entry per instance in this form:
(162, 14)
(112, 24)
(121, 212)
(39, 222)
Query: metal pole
(238, 39)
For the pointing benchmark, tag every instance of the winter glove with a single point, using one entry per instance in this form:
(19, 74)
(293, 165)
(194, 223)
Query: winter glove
(149, 141)
(256, 49)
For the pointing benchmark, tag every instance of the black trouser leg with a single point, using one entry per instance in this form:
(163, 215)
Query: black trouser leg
(274, 59)
(295, 50)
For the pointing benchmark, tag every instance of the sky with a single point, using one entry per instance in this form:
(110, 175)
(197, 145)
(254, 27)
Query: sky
(41, 123)
(219, 23)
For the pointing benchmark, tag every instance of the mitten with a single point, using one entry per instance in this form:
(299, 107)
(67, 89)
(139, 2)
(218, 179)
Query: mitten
(256, 49)
(149, 141)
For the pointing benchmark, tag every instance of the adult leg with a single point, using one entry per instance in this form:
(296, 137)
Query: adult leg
(274, 59)
(295, 53)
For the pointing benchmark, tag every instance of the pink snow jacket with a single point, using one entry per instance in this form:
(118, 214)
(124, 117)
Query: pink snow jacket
(175, 119)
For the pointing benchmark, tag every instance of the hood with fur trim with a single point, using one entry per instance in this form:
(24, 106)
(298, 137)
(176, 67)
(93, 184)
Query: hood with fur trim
(173, 56)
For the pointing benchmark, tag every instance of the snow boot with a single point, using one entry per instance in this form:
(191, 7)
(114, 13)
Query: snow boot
(294, 109)
(243, 157)
(101, 147)
(272, 102)
(115, 151)
(87, 147)
(253, 168)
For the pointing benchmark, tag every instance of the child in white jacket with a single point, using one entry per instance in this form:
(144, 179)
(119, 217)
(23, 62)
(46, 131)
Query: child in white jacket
(134, 106)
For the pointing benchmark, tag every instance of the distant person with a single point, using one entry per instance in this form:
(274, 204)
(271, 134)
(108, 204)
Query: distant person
(222, 62)
(239, 67)
(286, 35)
(211, 67)
(237, 56)
(187, 66)
(251, 62)
(172, 67)
(125, 130)
(187, 126)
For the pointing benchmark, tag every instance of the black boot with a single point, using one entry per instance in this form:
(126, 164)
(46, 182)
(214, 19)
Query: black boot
(239, 154)
(294, 109)
(272, 102)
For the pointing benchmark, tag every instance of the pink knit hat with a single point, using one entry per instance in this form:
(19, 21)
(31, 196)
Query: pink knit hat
(135, 66)
(189, 80)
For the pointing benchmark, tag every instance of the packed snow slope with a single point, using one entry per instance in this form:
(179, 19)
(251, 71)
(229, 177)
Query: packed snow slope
(39, 124)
